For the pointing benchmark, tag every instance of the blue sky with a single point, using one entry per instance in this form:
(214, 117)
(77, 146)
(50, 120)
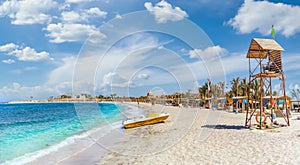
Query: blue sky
(130, 47)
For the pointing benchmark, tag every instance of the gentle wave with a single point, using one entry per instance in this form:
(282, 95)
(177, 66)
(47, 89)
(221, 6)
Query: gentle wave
(17, 123)
(30, 157)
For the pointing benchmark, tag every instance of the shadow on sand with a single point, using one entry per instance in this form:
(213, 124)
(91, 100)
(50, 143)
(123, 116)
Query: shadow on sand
(236, 127)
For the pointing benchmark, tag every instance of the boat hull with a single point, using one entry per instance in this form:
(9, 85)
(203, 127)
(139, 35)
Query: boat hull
(146, 121)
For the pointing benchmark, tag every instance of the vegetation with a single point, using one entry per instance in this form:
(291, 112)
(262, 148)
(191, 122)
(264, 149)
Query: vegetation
(295, 93)
(238, 87)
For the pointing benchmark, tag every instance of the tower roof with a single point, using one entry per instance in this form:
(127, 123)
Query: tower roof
(260, 47)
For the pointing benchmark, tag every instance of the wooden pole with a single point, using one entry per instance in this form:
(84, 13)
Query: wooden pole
(248, 107)
(261, 94)
(285, 100)
(271, 99)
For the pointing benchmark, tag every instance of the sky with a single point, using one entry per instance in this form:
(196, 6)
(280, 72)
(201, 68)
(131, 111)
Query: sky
(131, 47)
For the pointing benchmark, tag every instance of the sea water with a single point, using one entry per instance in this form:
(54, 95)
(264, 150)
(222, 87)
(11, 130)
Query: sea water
(28, 128)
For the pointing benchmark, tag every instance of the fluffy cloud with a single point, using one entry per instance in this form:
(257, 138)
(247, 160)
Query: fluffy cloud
(84, 15)
(113, 79)
(24, 54)
(291, 63)
(17, 91)
(96, 11)
(70, 16)
(259, 16)
(8, 61)
(218, 68)
(77, 1)
(60, 33)
(208, 52)
(8, 47)
(27, 12)
(118, 16)
(164, 12)
(29, 54)
(143, 76)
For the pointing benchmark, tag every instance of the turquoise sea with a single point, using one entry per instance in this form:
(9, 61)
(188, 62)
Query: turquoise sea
(28, 128)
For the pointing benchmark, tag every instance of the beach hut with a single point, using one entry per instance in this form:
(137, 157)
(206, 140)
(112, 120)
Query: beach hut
(269, 101)
(208, 103)
(239, 103)
(229, 104)
(295, 105)
(221, 102)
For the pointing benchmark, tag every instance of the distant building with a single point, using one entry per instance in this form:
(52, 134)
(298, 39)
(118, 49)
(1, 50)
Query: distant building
(65, 96)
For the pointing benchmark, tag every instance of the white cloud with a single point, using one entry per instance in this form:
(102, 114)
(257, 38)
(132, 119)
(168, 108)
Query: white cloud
(60, 33)
(96, 11)
(235, 63)
(290, 62)
(27, 11)
(70, 16)
(83, 15)
(16, 85)
(29, 68)
(113, 79)
(143, 76)
(17, 91)
(8, 61)
(24, 54)
(118, 16)
(8, 47)
(64, 72)
(164, 12)
(77, 1)
(209, 52)
(29, 54)
(183, 50)
(259, 16)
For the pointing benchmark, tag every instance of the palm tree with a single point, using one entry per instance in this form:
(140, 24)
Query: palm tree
(235, 86)
(203, 91)
(113, 96)
(295, 93)
(222, 88)
(244, 87)
(254, 89)
(275, 93)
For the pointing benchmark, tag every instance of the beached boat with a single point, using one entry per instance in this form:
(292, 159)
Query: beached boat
(152, 119)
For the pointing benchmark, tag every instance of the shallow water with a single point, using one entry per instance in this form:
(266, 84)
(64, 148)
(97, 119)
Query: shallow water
(28, 128)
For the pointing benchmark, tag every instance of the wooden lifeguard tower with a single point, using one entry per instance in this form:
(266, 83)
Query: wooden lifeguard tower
(265, 65)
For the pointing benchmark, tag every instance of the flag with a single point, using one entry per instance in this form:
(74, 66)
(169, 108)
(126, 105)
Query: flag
(273, 32)
(208, 85)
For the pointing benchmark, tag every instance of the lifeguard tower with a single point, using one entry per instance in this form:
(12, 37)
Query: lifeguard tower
(265, 66)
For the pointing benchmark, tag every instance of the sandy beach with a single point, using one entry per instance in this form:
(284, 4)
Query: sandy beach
(194, 136)
(188, 136)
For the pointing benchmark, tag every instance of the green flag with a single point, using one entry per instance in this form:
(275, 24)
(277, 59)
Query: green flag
(273, 32)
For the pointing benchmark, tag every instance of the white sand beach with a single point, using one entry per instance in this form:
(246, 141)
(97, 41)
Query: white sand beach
(188, 136)
(194, 136)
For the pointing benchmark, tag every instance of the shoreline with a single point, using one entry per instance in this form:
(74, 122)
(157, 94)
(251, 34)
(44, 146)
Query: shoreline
(46, 101)
(188, 136)
(85, 146)
(71, 146)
